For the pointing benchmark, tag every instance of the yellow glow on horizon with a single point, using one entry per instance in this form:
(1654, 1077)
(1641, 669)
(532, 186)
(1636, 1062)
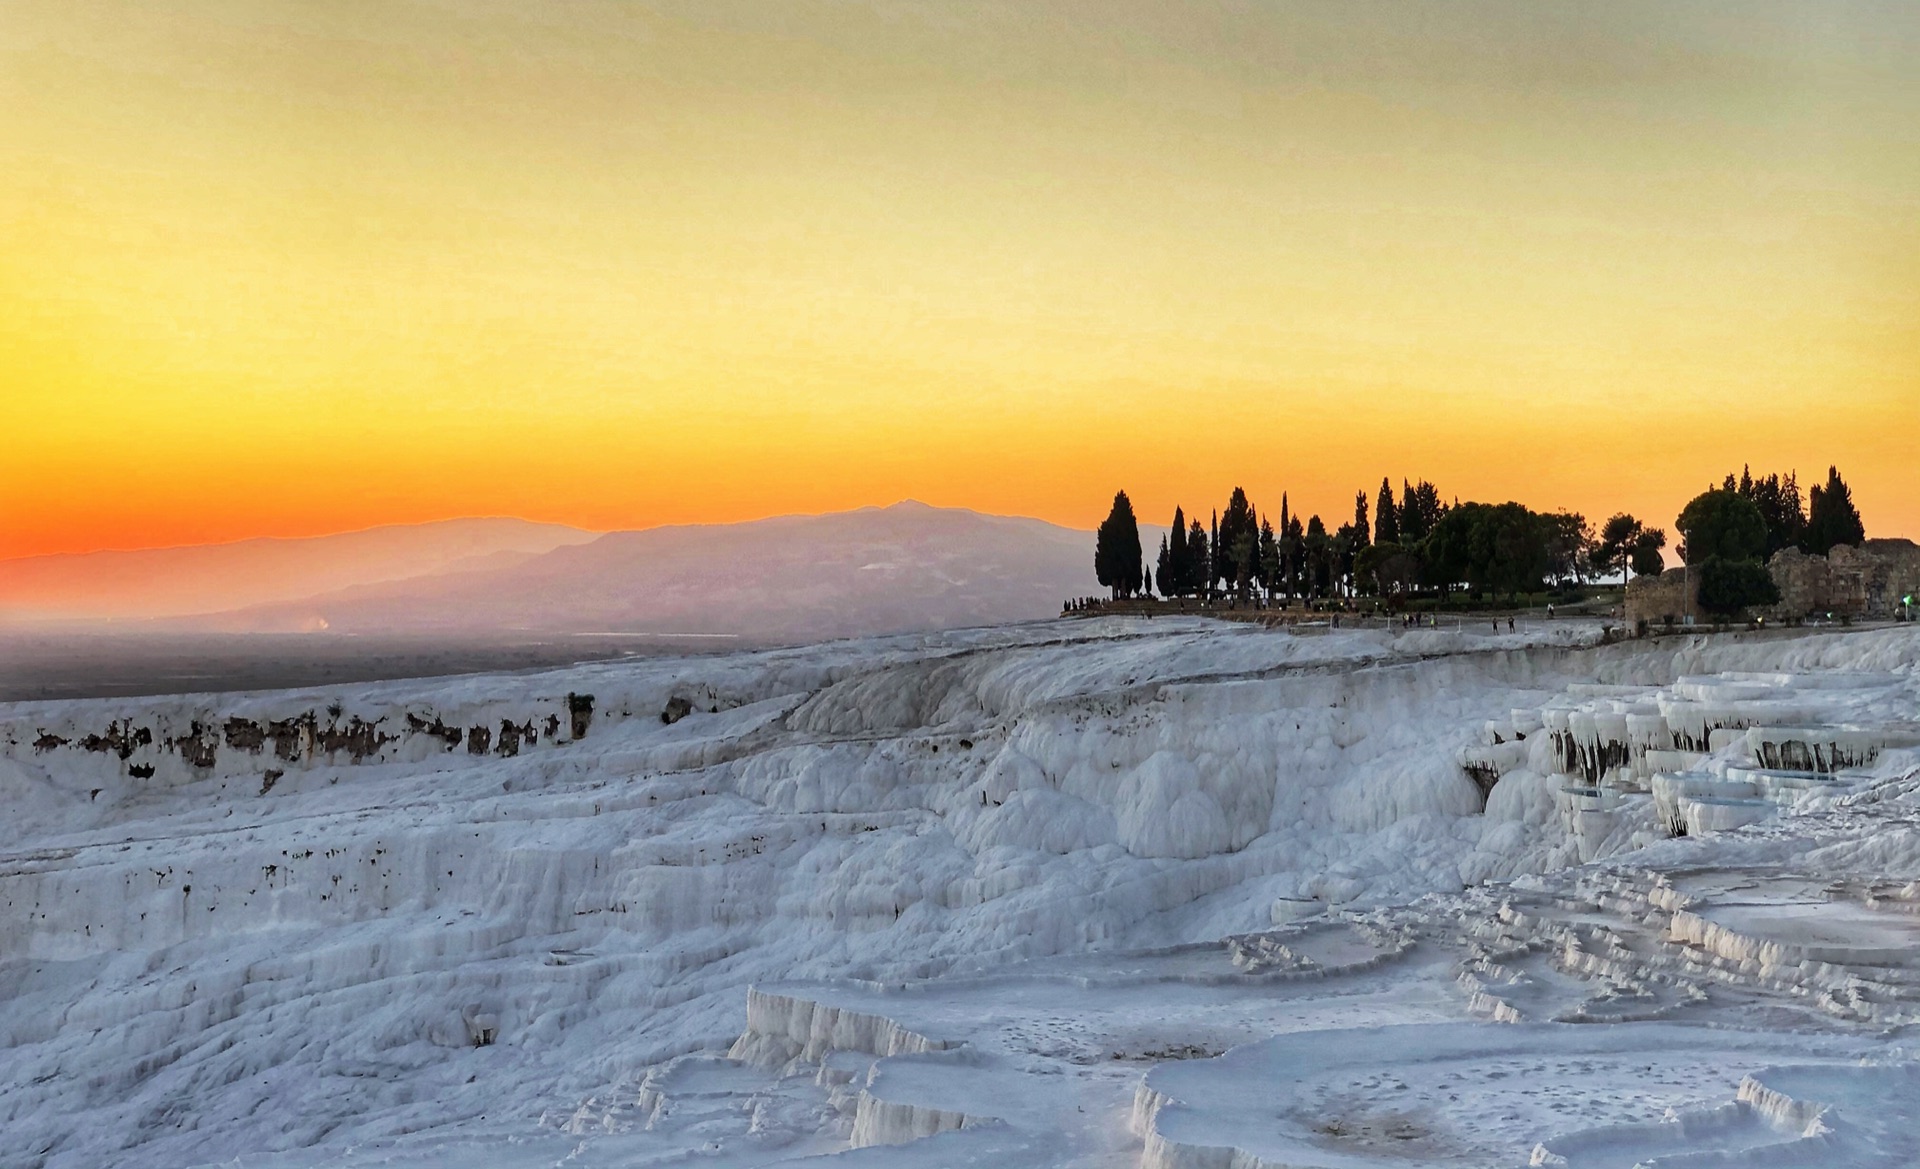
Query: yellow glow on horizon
(271, 268)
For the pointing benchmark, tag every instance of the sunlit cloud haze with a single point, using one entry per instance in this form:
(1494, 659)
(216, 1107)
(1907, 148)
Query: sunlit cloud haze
(274, 268)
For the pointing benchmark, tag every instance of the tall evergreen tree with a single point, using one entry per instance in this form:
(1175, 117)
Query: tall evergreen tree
(1294, 550)
(1199, 556)
(1237, 544)
(1361, 524)
(1285, 581)
(1831, 517)
(1177, 558)
(1269, 558)
(1318, 551)
(1386, 516)
(1239, 514)
(1253, 550)
(1217, 563)
(1116, 549)
(1778, 498)
(1792, 509)
(1420, 510)
(1162, 567)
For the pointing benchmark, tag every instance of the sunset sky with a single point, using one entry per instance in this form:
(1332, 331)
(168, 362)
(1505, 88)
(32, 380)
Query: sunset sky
(277, 268)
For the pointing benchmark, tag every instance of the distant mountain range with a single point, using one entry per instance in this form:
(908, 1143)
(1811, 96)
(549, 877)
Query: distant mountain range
(211, 578)
(793, 578)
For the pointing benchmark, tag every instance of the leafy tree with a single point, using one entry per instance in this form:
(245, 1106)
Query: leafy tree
(1116, 549)
(1386, 516)
(1449, 548)
(1352, 544)
(1386, 568)
(1491, 547)
(1831, 517)
(1519, 549)
(1345, 543)
(1721, 523)
(1616, 537)
(1625, 545)
(1643, 557)
(1729, 586)
(1569, 544)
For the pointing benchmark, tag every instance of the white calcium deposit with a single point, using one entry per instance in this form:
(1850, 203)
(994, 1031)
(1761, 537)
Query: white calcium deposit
(1096, 893)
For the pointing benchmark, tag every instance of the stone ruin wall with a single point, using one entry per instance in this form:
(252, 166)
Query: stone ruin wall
(1867, 581)
(1661, 599)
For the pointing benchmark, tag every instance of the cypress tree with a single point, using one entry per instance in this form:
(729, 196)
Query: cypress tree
(1239, 519)
(1790, 507)
(1116, 548)
(1318, 555)
(1198, 557)
(1386, 517)
(1269, 558)
(1779, 502)
(1420, 510)
(1178, 558)
(1360, 524)
(1285, 531)
(1831, 517)
(1216, 564)
(1238, 543)
(1294, 545)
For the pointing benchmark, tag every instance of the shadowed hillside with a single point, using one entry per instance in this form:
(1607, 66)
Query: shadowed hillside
(874, 570)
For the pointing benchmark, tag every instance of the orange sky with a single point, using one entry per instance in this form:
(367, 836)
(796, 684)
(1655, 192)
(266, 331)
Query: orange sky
(272, 268)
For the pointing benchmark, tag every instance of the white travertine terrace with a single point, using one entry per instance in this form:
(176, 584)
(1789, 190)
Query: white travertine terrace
(1113, 892)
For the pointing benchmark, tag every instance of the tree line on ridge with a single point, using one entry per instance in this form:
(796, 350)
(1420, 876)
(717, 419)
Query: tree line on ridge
(1416, 543)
